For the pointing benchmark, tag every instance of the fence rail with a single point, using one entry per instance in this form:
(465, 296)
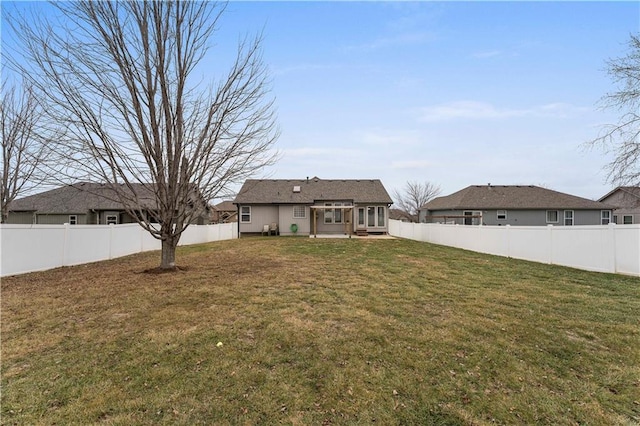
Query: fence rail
(607, 248)
(29, 248)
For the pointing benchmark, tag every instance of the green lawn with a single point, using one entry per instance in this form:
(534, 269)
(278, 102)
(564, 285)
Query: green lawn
(303, 331)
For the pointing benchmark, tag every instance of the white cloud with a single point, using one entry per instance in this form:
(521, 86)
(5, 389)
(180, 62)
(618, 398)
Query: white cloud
(399, 40)
(483, 111)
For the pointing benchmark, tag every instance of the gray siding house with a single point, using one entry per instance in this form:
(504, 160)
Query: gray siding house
(313, 206)
(83, 203)
(626, 201)
(516, 205)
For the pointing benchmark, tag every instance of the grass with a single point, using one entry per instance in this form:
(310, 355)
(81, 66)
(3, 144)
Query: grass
(300, 331)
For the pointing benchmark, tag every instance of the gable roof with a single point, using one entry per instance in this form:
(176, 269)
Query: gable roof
(516, 197)
(225, 206)
(282, 191)
(634, 191)
(82, 197)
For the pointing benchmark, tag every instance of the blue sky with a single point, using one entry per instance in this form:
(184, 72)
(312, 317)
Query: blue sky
(454, 93)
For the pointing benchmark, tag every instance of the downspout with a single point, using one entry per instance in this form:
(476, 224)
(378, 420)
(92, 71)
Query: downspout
(238, 218)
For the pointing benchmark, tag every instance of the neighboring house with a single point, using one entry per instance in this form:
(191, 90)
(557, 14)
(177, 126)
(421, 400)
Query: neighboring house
(84, 204)
(313, 206)
(401, 215)
(523, 205)
(626, 201)
(224, 212)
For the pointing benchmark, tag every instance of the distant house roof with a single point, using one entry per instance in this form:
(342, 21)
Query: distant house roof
(522, 197)
(633, 191)
(225, 206)
(308, 191)
(81, 197)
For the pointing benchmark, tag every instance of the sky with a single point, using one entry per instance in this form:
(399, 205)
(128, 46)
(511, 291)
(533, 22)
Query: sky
(453, 93)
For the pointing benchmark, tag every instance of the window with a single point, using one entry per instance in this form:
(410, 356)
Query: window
(361, 216)
(473, 218)
(337, 214)
(334, 215)
(73, 219)
(328, 213)
(112, 219)
(245, 214)
(502, 215)
(381, 216)
(371, 216)
(627, 220)
(552, 216)
(615, 218)
(568, 217)
(299, 212)
(605, 217)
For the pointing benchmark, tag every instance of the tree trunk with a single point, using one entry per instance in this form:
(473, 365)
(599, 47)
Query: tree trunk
(169, 253)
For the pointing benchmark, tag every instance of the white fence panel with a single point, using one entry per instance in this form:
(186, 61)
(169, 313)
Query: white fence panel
(607, 248)
(86, 243)
(627, 242)
(528, 243)
(29, 248)
(584, 247)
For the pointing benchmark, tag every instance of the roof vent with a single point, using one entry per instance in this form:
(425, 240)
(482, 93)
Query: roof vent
(296, 188)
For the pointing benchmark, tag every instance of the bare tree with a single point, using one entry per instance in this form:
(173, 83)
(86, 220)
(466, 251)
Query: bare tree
(119, 76)
(413, 196)
(622, 139)
(22, 151)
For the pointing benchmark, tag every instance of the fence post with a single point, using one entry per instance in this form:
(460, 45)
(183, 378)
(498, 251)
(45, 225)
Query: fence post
(65, 244)
(550, 249)
(611, 238)
(508, 232)
(111, 225)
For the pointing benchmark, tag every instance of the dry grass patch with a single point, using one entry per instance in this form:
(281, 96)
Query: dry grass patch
(321, 332)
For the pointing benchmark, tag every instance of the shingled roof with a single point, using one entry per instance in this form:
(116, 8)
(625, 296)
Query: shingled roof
(514, 197)
(631, 191)
(308, 191)
(81, 197)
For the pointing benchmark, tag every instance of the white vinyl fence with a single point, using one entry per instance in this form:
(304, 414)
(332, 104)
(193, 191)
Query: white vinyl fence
(29, 248)
(607, 248)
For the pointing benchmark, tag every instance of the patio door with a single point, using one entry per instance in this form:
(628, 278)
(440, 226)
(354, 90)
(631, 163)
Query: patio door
(362, 217)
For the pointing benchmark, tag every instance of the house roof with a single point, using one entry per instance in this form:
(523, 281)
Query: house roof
(81, 197)
(308, 191)
(520, 197)
(225, 206)
(634, 191)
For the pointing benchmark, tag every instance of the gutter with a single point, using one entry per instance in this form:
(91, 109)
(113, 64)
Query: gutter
(238, 220)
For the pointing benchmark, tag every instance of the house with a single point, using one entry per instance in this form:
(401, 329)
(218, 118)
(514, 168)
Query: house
(401, 215)
(224, 212)
(626, 201)
(85, 203)
(313, 206)
(522, 205)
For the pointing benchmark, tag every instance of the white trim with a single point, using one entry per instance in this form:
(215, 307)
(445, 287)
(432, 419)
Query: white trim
(73, 221)
(503, 214)
(565, 218)
(245, 214)
(603, 218)
(304, 212)
(115, 216)
(557, 216)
